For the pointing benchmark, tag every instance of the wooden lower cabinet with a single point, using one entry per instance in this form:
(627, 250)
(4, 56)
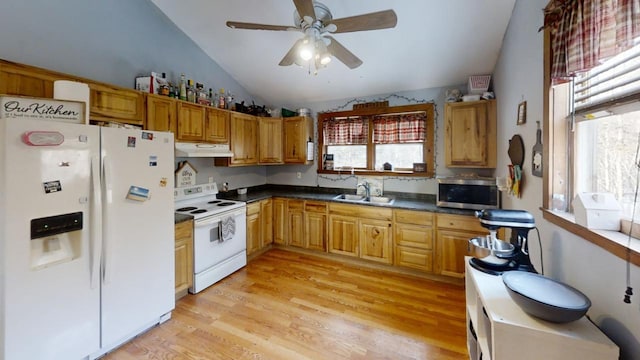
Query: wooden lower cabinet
(280, 233)
(343, 235)
(259, 225)
(375, 240)
(295, 221)
(253, 228)
(183, 257)
(452, 239)
(315, 225)
(413, 236)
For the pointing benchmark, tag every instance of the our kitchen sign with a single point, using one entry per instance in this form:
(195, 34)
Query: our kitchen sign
(41, 109)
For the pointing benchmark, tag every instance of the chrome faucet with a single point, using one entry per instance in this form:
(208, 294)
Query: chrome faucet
(367, 189)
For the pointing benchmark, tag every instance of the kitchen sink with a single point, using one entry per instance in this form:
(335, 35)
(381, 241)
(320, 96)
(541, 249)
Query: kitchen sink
(359, 199)
(349, 197)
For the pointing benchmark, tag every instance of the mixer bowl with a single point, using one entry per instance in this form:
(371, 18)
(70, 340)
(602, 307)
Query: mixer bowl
(496, 253)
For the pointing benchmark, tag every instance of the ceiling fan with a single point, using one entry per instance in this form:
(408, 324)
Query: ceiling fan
(315, 20)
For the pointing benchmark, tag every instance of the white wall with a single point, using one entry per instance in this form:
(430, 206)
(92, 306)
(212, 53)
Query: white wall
(601, 276)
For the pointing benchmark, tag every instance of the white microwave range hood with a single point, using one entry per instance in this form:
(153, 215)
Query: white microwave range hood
(202, 150)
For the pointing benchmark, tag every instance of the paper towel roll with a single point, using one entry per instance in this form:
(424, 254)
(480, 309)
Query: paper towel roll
(75, 91)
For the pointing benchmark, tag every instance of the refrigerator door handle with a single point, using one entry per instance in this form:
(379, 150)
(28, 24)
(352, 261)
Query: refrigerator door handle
(107, 253)
(96, 223)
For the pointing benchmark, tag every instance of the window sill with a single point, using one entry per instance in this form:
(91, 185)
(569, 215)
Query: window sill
(612, 241)
(374, 172)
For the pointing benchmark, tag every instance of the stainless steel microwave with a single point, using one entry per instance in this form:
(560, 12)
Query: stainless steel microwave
(475, 193)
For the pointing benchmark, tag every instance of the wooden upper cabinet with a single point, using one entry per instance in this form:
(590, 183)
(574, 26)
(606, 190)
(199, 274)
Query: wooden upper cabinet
(297, 131)
(161, 113)
(243, 140)
(470, 134)
(116, 104)
(17, 79)
(270, 142)
(191, 122)
(216, 129)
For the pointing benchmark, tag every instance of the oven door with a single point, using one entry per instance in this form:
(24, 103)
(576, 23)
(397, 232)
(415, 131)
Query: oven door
(209, 248)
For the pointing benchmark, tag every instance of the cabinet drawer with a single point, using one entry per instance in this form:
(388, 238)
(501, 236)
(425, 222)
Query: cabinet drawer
(414, 235)
(296, 205)
(460, 222)
(413, 217)
(414, 258)
(361, 211)
(253, 208)
(315, 206)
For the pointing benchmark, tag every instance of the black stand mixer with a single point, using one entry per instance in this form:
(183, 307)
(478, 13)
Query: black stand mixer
(520, 222)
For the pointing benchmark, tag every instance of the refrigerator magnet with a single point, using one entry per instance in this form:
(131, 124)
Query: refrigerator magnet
(147, 135)
(153, 160)
(163, 182)
(131, 141)
(52, 186)
(138, 193)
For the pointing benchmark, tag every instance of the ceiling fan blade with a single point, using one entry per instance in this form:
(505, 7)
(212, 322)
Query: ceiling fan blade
(341, 53)
(305, 8)
(372, 21)
(252, 26)
(290, 57)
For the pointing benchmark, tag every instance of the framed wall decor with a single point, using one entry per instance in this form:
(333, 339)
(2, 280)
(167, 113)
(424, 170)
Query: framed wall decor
(522, 113)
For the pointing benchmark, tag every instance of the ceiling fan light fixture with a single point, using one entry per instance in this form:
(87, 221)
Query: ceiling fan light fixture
(306, 50)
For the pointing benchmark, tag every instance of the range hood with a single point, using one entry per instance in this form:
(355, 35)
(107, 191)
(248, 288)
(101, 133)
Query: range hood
(202, 150)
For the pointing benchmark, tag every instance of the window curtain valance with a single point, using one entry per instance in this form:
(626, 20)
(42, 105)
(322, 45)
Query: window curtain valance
(346, 131)
(585, 32)
(401, 128)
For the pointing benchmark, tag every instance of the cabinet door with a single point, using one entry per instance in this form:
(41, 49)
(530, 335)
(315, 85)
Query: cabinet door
(316, 230)
(270, 143)
(375, 240)
(110, 103)
(190, 122)
(244, 139)
(452, 247)
(253, 228)
(297, 131)
(470, 135)
(266, 222)
(183, 257)
(280, 221)
(161, 113)
(216, 126)
(296, 228)
(343, 235)
(17, 79)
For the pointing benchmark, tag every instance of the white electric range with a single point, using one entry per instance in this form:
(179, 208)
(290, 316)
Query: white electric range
(219, 237)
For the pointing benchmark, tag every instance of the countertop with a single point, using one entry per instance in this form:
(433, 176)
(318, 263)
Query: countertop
(181, 218)
(409, 201)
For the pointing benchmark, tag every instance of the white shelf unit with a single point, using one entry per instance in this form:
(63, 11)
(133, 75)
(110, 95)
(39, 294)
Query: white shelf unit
(504, 331)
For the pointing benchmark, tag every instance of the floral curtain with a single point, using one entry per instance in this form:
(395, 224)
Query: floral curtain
(346, 131)
(585, 32)
(401, 128)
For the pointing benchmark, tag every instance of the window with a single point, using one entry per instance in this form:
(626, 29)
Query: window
(365, 140)
(602, 146)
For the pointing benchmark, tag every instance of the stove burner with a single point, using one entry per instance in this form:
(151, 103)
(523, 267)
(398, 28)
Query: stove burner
(199, 211)
(226, 203)
(214, 201)
(188, 208)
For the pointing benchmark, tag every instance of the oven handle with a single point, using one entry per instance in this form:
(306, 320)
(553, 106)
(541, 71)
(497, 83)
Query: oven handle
(218, 217)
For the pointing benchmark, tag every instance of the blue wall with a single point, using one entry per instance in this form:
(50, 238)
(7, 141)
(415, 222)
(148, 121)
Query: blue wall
(109, 41)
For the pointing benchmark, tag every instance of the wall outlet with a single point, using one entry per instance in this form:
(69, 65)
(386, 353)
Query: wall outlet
(210, 179)
(299, 175)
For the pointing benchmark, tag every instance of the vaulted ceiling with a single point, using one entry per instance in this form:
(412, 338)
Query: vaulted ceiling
(435, 43)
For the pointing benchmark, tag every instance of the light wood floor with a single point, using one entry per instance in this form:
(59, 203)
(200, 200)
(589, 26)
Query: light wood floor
(287, 305)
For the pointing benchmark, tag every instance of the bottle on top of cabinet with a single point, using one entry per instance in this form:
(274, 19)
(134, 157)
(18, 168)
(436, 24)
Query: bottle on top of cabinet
(183, 88)
(221, 99)
(201, 95)
(191, 92)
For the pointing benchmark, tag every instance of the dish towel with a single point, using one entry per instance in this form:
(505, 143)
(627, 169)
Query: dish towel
(228, 225)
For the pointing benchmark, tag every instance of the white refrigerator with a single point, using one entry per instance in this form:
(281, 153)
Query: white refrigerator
(86, 237)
